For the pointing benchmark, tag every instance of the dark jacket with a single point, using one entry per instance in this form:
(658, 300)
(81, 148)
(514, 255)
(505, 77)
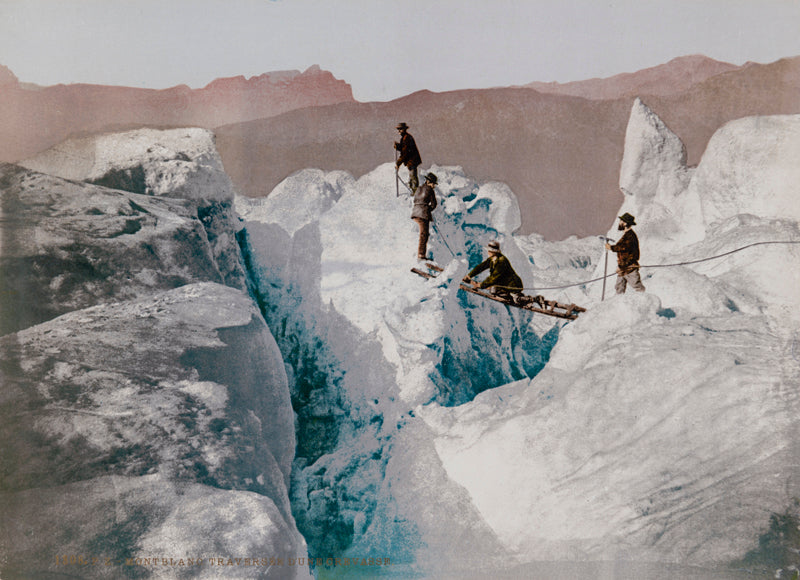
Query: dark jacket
(500, 274)
(409, 154)
(627, 249)
(424, 202)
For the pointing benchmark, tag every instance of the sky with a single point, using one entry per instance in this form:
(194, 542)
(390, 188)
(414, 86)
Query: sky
(384, 49)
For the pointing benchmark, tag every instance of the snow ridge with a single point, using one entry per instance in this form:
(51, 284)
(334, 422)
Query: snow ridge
(656, 427)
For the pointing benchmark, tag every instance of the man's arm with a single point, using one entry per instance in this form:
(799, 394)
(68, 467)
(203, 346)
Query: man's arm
(479, 268)
(432, 202)
(406, 147)
(499, 272)
(624, 244)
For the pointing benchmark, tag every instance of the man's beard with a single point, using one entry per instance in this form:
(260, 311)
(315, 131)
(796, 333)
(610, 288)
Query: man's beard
(620, 227)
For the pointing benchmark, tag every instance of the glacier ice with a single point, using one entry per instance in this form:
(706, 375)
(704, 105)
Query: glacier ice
(369, 343)
(452, 434)
(146, 409)
(456, 433)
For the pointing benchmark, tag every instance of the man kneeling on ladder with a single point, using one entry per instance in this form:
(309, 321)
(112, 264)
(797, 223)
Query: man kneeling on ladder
(627, 249)
(502, 280)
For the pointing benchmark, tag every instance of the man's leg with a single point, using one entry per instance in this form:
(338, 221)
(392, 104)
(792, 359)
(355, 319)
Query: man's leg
(501, 293)
(422, 249)
(635, 281)
(413, 179)
(620, 284)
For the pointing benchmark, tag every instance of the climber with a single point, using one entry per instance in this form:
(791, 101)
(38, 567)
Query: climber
(627, 250)
(502, 280)
(409, 156)
(424, 204)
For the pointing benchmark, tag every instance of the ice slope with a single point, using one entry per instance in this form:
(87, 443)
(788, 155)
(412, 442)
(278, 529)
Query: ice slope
(663, 427)
(139, 439)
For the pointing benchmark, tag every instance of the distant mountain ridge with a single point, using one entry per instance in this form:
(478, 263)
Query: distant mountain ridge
(558, 146)
(673, 77)
(560, 154)
(35, 118)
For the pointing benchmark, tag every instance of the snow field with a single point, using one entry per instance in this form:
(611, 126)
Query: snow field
(660, 428)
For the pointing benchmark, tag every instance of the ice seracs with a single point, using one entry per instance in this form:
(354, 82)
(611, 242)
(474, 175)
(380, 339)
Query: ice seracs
(385, 342)
(447, 432)
(146, 407)
(654, 178)
(748, 169)
(659, 428)
(179, 163)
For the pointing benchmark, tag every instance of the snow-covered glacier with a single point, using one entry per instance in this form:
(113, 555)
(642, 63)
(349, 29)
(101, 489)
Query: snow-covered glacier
(214, 375)
(461, 436)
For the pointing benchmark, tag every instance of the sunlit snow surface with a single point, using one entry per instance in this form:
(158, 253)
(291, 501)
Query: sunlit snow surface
(661, 429)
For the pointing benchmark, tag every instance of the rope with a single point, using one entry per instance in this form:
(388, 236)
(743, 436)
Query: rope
(446, 245)
(659, 266)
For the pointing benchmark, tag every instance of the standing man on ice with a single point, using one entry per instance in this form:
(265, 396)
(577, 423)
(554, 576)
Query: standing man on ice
(424, 204)
(502, 279)
(627, 249)
(409, 156)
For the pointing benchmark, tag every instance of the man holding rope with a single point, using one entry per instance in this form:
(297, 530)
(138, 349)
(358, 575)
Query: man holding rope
(627, 250)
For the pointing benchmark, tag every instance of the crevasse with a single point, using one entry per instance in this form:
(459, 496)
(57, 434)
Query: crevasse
(366, 341)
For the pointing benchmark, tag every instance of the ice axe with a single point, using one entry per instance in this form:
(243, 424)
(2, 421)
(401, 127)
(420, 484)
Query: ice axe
(605, 266)
(396, 176)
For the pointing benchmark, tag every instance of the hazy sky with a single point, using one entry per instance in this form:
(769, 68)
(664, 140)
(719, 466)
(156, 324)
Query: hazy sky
(384, 48)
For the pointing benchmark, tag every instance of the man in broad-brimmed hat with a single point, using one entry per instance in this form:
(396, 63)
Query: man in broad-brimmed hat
(409, 156)
(502, 279)
(422, 212)
(627, 249)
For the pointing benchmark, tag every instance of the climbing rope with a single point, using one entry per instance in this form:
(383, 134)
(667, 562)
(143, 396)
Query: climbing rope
(661, 265)
(583, 283)
(446, 245)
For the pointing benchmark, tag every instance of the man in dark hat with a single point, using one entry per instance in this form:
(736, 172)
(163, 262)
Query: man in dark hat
(627, 249)
(424, 204)
(502, 279)
(409, 156)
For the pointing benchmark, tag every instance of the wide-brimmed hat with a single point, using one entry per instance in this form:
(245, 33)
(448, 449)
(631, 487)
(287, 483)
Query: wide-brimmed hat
(493, 246)
(432, 178)
(402, 126)
(628, 219)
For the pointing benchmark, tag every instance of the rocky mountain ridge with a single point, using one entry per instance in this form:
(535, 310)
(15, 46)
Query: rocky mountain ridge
(675, 76)
(557, 146)
(33, 119)
(560, 154)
